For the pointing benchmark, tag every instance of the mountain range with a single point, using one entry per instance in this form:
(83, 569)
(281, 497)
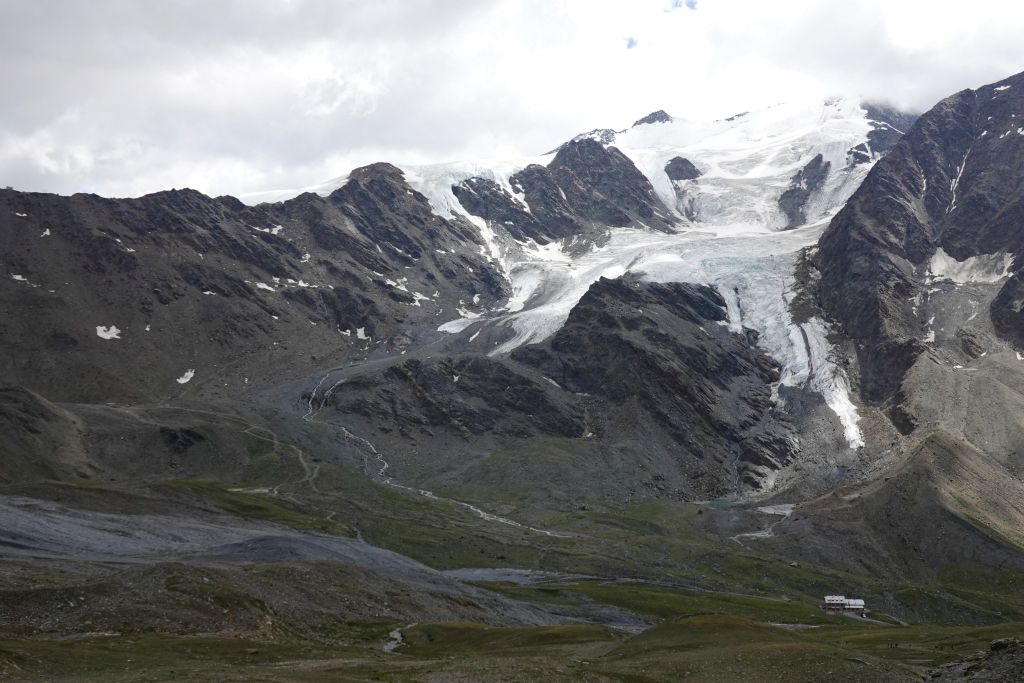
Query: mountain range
(662, 384)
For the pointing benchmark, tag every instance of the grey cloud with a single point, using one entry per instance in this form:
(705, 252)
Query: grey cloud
(123, 97)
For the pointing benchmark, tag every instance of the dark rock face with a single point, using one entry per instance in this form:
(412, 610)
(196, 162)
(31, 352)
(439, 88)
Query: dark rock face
(239, 294)
(973, 344)
(654, 117)
(659, 347)
(954, 181)
(679, 168)
(468, 397)
(888, 125)
(484, 198)
(902, 121)
(180, 440)
(1007, 311)
(806, 182)
(548, 202)
(586, 188)
(603, 186)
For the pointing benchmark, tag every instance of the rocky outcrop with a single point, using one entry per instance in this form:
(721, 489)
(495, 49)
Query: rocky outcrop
(1003, 660)
(604, 188)
(586, 189)
(805, 183)
(1007, 311)
(679, 168)
(484, 198)
(467, 397)
(654, 117)
(662, 348)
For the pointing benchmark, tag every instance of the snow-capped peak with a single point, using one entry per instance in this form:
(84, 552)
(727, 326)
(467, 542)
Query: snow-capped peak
(659, 116)
(748, 161)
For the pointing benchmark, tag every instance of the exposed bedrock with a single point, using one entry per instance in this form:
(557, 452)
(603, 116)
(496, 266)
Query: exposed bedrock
(949, 190)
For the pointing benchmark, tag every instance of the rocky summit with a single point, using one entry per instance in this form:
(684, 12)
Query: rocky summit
(629, 408)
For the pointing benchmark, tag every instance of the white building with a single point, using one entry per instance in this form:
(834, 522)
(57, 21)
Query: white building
(834, 603)
(841, 603)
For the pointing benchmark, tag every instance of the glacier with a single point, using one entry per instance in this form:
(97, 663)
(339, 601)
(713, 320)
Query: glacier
(734, 244)
(729, 231)
(753, 270)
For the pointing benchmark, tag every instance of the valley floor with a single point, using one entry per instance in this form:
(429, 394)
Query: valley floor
(705, 637)
(339, 577)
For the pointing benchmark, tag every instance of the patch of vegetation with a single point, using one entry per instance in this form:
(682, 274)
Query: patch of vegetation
(669, 603)
(148, 657)
(445, 640)
(921, 644)
(256, 506)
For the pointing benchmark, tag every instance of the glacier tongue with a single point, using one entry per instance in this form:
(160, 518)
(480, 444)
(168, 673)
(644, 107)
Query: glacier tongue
(751, 268)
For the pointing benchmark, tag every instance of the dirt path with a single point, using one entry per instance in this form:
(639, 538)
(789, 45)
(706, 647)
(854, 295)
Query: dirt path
(784, 510)
(311, 472)
(383, 465)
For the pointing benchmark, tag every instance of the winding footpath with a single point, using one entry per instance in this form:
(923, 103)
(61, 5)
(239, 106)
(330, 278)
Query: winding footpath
(310, 471)
(782, 509)
(383, 465)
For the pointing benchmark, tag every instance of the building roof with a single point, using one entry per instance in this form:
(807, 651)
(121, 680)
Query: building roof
(834, 598)
(854, 603)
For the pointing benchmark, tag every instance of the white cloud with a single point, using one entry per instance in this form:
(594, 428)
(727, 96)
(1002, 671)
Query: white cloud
(237, 95)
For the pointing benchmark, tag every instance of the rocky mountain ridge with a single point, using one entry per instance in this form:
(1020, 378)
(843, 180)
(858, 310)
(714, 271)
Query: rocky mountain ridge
(201, 298)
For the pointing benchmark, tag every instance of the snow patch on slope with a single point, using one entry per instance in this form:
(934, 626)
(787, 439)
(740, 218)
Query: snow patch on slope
(987, 268)
(111, 332)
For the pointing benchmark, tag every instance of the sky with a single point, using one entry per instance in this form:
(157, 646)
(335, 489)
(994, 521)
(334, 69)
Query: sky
(122, 98)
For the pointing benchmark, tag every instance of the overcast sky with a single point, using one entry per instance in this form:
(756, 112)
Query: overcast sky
(123, 98)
